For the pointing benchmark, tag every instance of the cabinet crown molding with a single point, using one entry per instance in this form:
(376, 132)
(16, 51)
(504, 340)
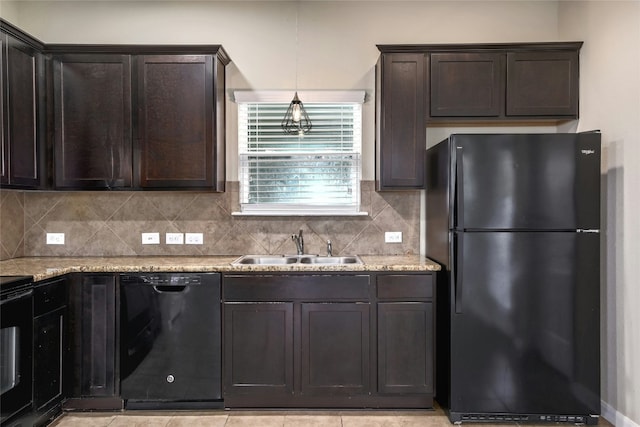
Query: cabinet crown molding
(138, 49)
(17, 33)
(470, 47)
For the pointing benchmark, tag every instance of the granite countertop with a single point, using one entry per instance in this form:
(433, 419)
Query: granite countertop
(47, 267)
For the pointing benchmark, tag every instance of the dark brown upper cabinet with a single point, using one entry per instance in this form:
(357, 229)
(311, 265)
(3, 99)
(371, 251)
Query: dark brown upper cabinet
(400, 118)
(467, 84)
(537, 82)
(542, 84)
(438, 84)
(92, 121)
(139, 117)
(22, 110)
(180, 127)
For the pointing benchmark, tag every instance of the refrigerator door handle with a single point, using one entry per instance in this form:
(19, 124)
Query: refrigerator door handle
(459, 209)
(456, 272)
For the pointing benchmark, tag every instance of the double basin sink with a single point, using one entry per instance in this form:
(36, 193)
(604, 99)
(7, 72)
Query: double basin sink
(296, 259)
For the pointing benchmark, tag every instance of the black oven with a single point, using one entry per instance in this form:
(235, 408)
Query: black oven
(16, 345)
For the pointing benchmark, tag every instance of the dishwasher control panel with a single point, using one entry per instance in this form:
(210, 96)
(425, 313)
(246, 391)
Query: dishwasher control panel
(163, 279)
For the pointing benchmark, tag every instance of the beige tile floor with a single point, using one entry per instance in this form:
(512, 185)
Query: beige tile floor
(220, 418)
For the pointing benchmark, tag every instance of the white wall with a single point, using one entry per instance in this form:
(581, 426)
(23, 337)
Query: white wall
(610, 101)
(8, 11)
(336, 40)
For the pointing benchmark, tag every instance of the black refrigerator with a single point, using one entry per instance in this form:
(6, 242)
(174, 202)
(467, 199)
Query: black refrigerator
(514, 220)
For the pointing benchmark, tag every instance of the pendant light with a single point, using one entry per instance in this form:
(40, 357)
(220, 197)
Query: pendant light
(296, 120)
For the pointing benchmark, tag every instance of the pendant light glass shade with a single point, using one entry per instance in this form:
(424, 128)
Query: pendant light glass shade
(296, 120)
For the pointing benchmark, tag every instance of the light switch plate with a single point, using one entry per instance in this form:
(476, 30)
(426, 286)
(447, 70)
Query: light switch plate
(150, 238)
(174, 238)
(55, 238)
(193, 238)
(393, 237)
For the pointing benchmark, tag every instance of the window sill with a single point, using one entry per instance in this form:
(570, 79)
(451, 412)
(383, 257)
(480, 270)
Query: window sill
(299, 213)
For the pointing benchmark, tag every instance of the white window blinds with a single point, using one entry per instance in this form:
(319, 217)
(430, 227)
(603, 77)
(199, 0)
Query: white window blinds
(315, 173)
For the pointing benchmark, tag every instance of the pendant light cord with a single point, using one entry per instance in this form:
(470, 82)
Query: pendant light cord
(296, 120)
(297, 14)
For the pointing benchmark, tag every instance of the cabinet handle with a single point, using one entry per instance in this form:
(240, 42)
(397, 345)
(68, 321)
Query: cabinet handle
(458, 210)
(456, 275)
(168, 289)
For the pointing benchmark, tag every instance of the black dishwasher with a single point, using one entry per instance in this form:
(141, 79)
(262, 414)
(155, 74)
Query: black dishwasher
(170, 340)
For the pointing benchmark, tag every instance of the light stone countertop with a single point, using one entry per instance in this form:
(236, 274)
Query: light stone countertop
(42, 268)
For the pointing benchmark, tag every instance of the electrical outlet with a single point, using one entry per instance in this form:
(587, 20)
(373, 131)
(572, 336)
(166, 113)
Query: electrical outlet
(174, 238)
(150, 238)
(55, 238)
(393, 237)
(193, 238)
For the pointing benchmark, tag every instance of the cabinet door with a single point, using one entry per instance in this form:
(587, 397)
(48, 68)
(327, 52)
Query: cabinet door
(47, 360)
(401, 134)
(466, 84)
(49, 342)
(542, 84)
(335, 348)
(23, 83)
(405, 347)
(98, 336)
(258, 349)
(92, 114)
(177, 121)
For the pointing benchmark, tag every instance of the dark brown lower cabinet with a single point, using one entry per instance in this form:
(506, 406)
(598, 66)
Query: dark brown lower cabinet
(49, 326)
(93, 373)
(294, 354)
(405, 347)
(327, 340)
(335, 348)
(258, 348)
(296, 340)
(406, 334)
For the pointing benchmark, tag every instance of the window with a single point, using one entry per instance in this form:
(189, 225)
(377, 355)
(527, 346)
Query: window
(313, 174)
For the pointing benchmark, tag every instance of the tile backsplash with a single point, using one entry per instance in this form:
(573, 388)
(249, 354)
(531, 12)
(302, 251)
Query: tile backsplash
(111, 224)
(11, 224)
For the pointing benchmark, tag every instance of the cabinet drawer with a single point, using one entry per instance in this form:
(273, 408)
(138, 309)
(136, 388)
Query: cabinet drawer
(295, 287)
(403, 286)
(48, 297)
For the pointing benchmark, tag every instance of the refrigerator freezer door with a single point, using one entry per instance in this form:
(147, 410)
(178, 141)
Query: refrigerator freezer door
(525, 339)
(526, 181)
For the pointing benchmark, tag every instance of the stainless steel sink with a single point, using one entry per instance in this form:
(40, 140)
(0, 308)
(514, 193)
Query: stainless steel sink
(331, 260)
(296, 259)
(265, 260)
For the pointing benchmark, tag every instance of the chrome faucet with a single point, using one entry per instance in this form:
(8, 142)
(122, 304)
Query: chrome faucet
(299, 242)
(329, 248)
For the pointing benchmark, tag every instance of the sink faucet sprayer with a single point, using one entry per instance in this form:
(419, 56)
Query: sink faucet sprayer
(299, 242)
